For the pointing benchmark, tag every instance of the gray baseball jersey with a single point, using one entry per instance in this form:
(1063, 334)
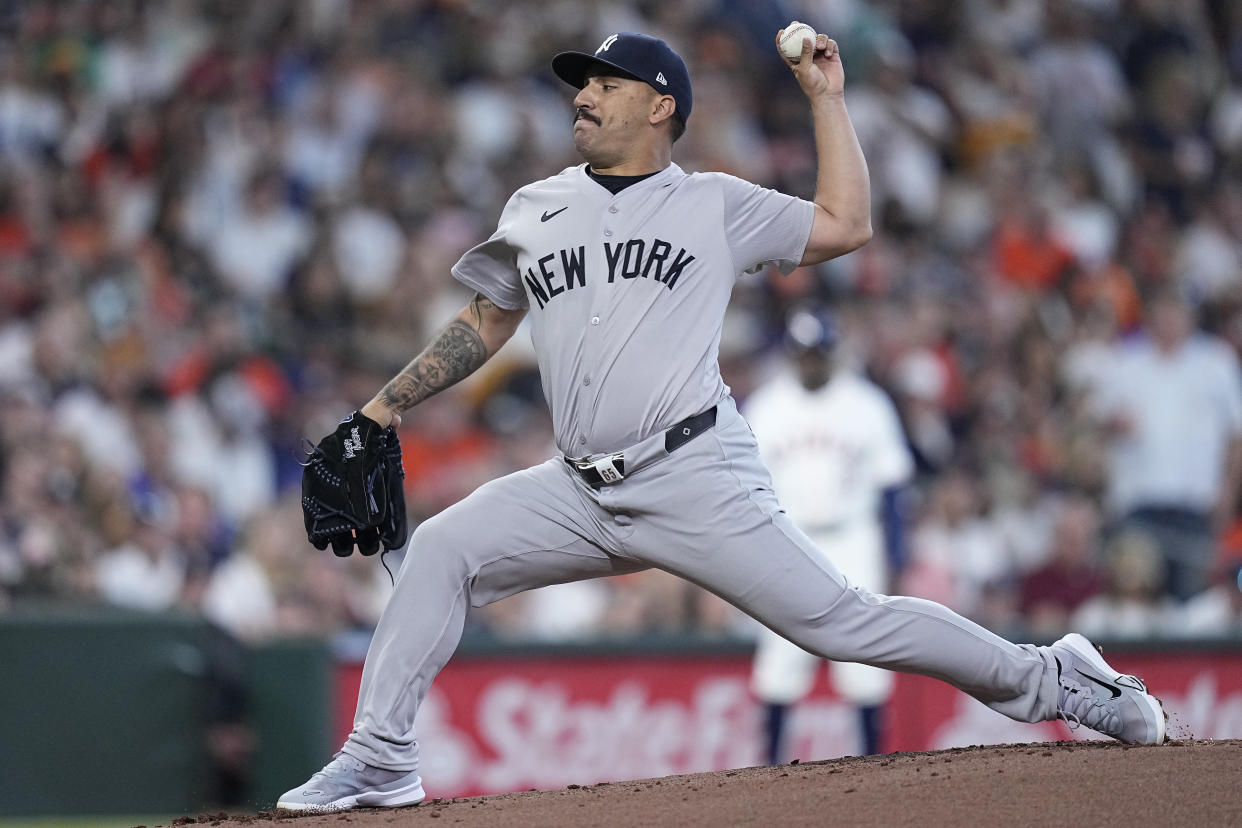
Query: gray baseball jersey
(627, 292)
(627, 295)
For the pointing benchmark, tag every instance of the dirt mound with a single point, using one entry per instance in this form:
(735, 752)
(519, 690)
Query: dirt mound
(1061, 783)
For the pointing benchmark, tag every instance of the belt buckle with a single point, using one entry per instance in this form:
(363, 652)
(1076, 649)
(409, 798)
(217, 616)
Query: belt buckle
(607, 469)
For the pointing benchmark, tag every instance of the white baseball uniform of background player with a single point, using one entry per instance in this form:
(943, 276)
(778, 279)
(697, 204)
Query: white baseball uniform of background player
(833, 443)
(624, 267)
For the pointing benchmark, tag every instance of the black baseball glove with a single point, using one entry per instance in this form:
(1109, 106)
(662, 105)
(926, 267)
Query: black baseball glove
(352, 489)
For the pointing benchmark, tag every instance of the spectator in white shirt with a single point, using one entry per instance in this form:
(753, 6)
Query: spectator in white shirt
(257, 249)
(1133, 604)
(1216, 611)
(146, 571)
(903, 128)
(1174, 407)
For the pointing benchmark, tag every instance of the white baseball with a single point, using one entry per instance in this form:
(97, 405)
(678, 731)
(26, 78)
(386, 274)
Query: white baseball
(791, 40)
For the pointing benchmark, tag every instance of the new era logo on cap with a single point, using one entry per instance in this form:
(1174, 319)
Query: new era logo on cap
(640, 56)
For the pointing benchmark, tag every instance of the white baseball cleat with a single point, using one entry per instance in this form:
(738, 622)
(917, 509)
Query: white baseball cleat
(346, 783)
(1094, 694)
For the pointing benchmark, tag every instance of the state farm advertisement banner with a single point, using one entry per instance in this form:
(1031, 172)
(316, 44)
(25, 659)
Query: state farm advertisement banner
(508, 723)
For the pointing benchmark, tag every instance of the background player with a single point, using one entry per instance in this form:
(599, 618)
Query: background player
(833, 443)
(624, 267)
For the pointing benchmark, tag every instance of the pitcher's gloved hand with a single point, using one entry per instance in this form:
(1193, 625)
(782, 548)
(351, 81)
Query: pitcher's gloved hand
(352, 489)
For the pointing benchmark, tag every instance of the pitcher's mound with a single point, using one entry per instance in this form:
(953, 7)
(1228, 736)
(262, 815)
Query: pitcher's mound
(1058, 783)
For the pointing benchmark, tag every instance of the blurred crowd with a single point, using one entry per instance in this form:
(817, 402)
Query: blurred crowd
(224, 225)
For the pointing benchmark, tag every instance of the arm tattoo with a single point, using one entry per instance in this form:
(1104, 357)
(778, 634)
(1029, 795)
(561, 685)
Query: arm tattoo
(456, 353)
(478, 305)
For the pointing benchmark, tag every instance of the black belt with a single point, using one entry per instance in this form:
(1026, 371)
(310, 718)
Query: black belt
(611, 468)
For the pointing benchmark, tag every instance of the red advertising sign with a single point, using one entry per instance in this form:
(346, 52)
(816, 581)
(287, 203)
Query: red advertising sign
(506, 723)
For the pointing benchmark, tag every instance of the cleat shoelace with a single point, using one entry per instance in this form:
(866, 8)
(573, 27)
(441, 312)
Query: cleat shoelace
(1080, 706)
(341, 763)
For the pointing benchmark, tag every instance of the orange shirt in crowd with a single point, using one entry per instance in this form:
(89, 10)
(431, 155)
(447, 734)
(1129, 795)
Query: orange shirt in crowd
(1029, 260)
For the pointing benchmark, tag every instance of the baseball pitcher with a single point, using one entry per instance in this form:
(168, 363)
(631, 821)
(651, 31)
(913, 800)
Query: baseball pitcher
(624, 266)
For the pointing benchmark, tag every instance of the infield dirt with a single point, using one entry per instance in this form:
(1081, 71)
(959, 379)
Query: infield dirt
(1189, 782)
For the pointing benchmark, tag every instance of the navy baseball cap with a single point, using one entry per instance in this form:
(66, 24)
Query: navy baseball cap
(638, 56)
(811, 328)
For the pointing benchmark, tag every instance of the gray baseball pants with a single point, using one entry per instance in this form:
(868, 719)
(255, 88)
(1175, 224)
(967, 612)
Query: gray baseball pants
(706, 513)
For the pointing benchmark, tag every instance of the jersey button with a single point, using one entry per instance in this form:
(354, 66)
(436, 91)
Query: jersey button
(586, 381)
(607, 232)
(594, 320)
(612, 209)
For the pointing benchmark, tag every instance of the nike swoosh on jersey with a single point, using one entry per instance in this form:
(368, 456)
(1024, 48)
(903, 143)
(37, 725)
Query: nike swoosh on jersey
(547, 215)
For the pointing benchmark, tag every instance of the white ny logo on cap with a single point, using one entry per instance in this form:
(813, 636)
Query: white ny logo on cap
(608, 41)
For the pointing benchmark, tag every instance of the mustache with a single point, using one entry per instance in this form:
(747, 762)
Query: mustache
(581, 112)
